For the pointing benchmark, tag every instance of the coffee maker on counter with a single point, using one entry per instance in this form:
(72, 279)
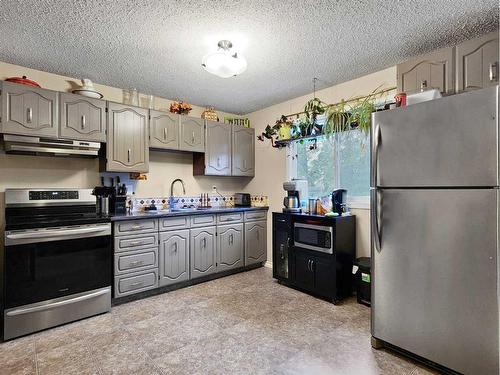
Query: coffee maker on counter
(296, 191)
(339, 201)
(111, 199)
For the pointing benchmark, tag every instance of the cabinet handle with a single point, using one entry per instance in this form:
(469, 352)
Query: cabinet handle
(136, 227)
(493, 71)
(136, 243)
(29, 115)
(308, 264)
(218, 161)
(84, 121)
(204, 242)
(175, 247)
(128, 154)
(192, 137)
(140, 283)
(282, 251)
(165, 133)
(244, 163)
(136, 263)
(312, 265)
(288, 242)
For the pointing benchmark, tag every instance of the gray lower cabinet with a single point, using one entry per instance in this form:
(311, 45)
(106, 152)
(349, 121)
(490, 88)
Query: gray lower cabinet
(230, 249)
(203, 251)
(192, 134)
(243, 151)
(82, 118)
(255, 242)
(28, 110)
(136, 282)
(174, 257)
(164, 130)
(434, 70)
(133, 261)
(127, 146)
(477, 63)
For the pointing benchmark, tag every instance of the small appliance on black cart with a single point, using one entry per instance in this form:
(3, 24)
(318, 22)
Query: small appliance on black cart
(57, 259)
(296, 192)
(315, 253)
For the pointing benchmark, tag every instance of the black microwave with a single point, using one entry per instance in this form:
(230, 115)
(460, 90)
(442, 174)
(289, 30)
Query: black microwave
(313, 237)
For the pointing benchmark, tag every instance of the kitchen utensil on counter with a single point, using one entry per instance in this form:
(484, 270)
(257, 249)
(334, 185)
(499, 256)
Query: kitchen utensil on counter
(311, 208)
(23, 81)
(242, 200)
(87, 89)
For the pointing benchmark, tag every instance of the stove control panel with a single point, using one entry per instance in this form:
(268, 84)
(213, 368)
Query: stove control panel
(52, 194)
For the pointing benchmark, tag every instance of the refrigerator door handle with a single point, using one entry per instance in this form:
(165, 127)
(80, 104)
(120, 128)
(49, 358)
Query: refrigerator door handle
(376, 142)
(375, 218)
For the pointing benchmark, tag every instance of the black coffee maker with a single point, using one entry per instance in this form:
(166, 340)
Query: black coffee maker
(339, 201)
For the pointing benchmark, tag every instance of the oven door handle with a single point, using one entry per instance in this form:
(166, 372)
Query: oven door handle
(29, 310)
(56, 233)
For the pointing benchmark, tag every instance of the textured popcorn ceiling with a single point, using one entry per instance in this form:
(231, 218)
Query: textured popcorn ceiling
(157, 46)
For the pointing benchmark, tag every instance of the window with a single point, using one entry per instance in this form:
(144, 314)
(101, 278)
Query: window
(339, 161)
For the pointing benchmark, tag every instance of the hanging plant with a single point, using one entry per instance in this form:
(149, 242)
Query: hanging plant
(282, 129)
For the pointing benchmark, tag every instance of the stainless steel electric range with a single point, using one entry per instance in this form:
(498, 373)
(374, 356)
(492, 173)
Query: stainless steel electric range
(57, 261)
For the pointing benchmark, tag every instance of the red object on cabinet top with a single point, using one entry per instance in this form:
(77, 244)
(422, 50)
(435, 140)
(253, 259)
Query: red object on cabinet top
(23, 81)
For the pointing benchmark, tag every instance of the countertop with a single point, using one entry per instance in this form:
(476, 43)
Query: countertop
(167, 213)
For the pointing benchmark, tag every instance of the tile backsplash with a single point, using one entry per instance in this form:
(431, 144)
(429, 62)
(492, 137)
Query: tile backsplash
(214, 200)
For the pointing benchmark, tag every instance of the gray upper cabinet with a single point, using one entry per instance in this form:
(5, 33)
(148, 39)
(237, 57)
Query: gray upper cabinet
(203, 251)
(164, 130)
(255, 242)
(434, 70)
(82, 118)
(218, 149)
(192, 134)
(127, 148)
(243, 151)
(230, 247)
(477, 63)
(174, 257)
(28, 110)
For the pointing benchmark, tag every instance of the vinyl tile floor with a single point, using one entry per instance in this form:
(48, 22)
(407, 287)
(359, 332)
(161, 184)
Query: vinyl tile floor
(241, 324)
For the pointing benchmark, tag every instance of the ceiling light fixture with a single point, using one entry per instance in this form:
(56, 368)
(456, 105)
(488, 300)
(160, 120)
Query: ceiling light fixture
(223, 62)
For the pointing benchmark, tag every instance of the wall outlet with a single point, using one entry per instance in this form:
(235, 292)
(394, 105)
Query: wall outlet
(214, 189)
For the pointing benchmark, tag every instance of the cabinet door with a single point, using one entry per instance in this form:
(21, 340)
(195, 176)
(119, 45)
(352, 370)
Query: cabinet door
(281, 242)
(192, 134)
(255, 242)
(324, 276)
(304, 275)
(164, 130)
(28, 110)
(434, 70)
(218, 149)
(82, 118)
(203, 251)
(230, 247)
(174, 257)
(243, 151)
(127, 149)
(477, 63)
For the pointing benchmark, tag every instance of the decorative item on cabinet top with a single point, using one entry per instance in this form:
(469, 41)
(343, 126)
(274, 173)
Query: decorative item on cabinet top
(194, 201)
(180, 107)
(241, 121)
(87, 89)
(210, 114)
(23, 81)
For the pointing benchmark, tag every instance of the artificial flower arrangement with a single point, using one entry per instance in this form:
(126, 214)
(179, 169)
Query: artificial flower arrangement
(180, 107)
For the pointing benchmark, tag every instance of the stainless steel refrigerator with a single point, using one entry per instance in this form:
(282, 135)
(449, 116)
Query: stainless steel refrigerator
(435, 230)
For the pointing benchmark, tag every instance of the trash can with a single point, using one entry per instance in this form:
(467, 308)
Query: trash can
(363, 280)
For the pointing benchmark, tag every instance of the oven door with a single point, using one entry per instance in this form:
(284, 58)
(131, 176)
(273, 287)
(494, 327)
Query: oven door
(313, 237)
(50, 263)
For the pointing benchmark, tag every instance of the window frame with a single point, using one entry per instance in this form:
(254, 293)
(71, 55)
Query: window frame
(354, 202)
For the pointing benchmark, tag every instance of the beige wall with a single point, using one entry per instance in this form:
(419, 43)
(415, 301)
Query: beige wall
(271, 170)
(29, 171)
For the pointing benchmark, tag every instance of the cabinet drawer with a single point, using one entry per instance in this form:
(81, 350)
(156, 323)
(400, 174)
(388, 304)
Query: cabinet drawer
(181, 222)
(136, 282)
(255, 215)
(132, 261)
(136, 242)
(123, 228)
(202, 220)
(230, 218)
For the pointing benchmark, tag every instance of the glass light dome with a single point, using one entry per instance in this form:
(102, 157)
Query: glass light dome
(224, 63)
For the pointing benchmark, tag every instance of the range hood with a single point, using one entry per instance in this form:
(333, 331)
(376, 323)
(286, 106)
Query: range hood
(26, 145)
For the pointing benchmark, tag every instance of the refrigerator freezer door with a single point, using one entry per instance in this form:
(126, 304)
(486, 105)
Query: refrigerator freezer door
(445, 142)
(435, 276)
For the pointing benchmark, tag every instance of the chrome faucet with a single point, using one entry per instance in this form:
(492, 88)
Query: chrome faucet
(172, 187)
